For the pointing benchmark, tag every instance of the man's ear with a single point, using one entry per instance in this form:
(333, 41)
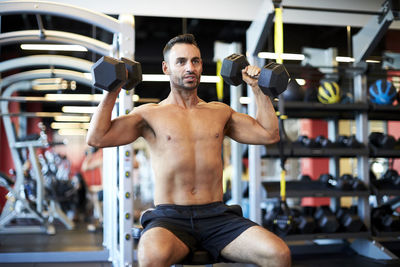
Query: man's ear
(165, 68)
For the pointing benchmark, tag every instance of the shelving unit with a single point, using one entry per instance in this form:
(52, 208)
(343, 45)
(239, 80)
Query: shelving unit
(300, 189)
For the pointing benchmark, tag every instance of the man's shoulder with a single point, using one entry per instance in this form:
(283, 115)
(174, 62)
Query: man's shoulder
(216, 104)
(146, 107)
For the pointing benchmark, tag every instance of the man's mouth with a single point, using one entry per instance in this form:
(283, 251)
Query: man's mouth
(190, 78)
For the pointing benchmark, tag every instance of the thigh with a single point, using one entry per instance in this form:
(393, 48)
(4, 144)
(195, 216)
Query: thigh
(161, 245)
(254, 244)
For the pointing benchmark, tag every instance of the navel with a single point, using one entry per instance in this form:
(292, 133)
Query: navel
(216, 135)
(168, 137)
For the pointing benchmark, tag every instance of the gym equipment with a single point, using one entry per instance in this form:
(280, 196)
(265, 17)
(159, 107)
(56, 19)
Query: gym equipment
(349, 220)
(307, 142)
(273, 78)
(304, 220)
(348, 141)
(355, 182)
(329, 93)
(311, 94)
(323, 141)
(280, 219)
(293, 92)
(384, 219)
(110, 73)
(330, 181)
(305, 178)
(326, 220)
(382, 92)
(392, 176)
(382, 140)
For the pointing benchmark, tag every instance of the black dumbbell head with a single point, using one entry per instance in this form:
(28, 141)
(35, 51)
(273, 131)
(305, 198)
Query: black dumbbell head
(134, 73)
(273, 79)
(231, 70)
(324, 178)
(108, 74)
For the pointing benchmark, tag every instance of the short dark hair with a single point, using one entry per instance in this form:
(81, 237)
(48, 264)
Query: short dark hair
(186, 38)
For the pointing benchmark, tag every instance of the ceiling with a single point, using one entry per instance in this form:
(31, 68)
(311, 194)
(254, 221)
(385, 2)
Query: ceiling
(152, 32)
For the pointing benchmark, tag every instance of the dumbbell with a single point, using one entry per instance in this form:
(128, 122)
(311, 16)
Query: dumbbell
(348, 141)
(323, 141)
(382, 140)
(355, 182)
(392, 176)
(329, 180)
(110, 73)
(273, 78)
(307, 142)
(304, 220)
(349, 219)
(384, 219)
(326, 220)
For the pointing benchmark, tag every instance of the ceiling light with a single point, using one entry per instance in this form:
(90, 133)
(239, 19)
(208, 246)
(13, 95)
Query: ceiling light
(284, 56)
(69, 125)
(74, 97)
(53, 47)
(72, 118)
(344, 59)
(72, 132)
(78, 109)
(373, 61)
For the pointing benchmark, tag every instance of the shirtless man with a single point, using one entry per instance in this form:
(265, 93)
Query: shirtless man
(185, 136)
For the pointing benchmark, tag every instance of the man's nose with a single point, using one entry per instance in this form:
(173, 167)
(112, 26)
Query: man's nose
(189, 66)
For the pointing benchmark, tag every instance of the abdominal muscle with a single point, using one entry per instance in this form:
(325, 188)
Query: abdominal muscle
(188, 174)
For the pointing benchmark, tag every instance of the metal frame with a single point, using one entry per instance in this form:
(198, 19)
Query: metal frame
(121, 252)
(10, 211)
(55, 37)
(46, 60)
(256, 35)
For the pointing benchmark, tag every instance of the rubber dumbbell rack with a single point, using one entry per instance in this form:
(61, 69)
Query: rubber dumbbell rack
(384, 113)
(299, 189)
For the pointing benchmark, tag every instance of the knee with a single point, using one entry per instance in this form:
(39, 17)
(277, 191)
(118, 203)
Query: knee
(281, 256)
(148, 257)
(276, 255)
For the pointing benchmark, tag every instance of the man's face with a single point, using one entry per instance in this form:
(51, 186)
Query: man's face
(184, 66)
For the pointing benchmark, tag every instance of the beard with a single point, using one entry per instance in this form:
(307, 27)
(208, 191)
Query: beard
(185, 83)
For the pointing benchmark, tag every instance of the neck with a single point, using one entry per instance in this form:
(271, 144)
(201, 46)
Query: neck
(183, 98)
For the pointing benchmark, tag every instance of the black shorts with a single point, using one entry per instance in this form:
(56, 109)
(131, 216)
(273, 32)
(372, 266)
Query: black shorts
(210, 227)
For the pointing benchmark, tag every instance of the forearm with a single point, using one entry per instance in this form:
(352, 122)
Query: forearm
(101, 119)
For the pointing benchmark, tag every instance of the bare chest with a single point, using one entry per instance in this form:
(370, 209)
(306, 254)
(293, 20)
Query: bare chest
(189, 125)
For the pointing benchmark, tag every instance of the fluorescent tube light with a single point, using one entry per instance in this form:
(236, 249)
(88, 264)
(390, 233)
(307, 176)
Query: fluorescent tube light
(69, 125)
(66, 118)
(284, 56)
(78, 109)
(72, 132)
(53, 47)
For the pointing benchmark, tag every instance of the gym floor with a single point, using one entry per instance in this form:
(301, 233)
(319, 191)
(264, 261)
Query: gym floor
(80, 240)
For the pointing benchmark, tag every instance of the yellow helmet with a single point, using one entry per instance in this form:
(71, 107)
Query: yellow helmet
(329, 93)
